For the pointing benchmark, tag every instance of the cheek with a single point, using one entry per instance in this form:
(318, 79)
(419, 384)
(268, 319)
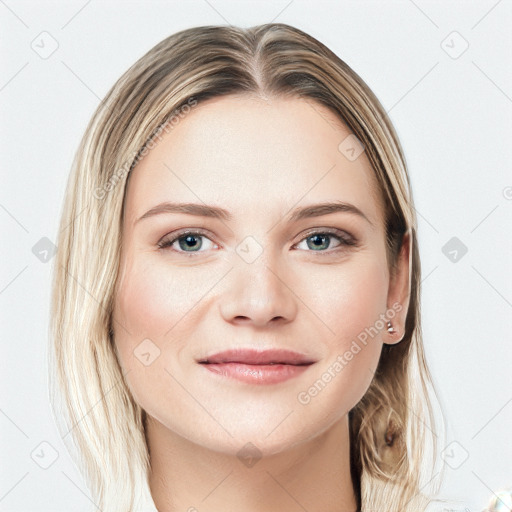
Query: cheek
(152, 301)
(352, 299)
(351, 305)
(154, 318)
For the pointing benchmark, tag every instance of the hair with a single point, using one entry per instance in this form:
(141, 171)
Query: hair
(392, 441)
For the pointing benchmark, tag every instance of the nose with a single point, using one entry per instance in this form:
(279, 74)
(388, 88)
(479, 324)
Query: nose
(258, 295)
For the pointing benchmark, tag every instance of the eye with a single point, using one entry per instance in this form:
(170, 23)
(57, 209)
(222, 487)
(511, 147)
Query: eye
(319, 241)
(187, 242)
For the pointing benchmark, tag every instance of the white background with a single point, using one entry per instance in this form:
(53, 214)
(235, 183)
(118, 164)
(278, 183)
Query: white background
(453, 116)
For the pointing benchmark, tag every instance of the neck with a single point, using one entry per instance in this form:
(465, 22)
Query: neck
(314, 475)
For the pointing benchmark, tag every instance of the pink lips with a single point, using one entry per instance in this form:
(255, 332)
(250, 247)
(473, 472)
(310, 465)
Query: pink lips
(256, 367)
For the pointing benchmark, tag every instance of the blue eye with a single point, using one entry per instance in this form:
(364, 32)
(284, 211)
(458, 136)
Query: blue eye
(319, 241)
(188, 242)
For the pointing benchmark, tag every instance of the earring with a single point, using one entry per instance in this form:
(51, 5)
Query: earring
(390, 328)
(389, 438)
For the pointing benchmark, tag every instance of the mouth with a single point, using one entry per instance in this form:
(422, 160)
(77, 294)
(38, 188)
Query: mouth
(257, 367)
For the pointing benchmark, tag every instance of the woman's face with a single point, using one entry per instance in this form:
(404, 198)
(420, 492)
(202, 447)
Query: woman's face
(265, 270)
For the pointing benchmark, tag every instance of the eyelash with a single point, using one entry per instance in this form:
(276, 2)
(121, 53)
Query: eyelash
(343, 238)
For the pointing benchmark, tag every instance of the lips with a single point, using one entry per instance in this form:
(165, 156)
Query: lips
(254, 357)
(254, 367)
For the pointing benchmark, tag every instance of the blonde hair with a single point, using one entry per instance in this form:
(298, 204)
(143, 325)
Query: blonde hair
(88, 389)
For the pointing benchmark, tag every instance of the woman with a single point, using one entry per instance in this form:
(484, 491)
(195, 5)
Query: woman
(236, 317)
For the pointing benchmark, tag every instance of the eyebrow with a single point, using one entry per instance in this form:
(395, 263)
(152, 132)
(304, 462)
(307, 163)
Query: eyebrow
(203, 210)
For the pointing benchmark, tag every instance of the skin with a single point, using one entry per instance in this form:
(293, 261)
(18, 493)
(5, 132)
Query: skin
(259, 159)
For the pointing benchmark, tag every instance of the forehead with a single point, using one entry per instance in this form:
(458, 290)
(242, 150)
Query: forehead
(248, 154)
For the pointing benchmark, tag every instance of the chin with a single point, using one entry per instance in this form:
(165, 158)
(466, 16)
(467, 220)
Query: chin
(253, 445)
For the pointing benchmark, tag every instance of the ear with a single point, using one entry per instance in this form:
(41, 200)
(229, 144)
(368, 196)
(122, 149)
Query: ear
(399, 291)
